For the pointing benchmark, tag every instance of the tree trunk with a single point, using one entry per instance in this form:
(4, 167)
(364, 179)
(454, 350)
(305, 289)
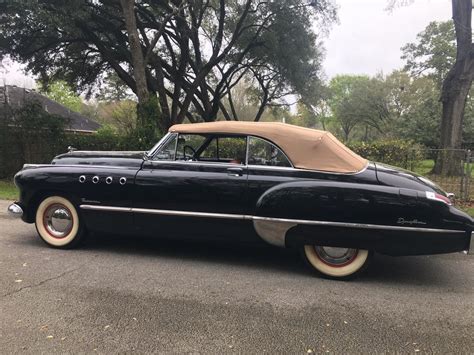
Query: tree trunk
(454, 93)
(144, 110)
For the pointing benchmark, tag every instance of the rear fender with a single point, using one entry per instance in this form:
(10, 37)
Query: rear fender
(337, 213)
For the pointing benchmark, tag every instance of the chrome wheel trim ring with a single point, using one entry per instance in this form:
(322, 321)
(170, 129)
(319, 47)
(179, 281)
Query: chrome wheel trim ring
(334, 256)
(58, 221)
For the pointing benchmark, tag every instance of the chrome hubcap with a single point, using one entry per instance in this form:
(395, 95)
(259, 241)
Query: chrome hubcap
(336, 256)
(58, 221)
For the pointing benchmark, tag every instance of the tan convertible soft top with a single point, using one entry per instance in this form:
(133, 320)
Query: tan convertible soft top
(306, 148)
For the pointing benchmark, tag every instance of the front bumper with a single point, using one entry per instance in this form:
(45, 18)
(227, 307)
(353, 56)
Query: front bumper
(15, 210)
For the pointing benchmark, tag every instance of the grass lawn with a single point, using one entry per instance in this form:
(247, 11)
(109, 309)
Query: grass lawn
(468, 209)
(8, 190)
(424, 167)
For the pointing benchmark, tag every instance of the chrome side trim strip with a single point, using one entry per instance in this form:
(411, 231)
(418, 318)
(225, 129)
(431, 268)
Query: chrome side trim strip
(358, 225)
(190, 214)
(164, 212)
(122, 167)
(266, 219)
(106, 208)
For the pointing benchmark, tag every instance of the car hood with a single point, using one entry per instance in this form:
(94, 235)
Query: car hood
(106, 158)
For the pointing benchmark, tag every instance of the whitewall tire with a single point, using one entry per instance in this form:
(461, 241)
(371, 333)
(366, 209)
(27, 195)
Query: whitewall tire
(336, 263)
(58, 223)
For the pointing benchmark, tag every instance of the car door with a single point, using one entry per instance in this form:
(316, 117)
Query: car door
(194, 185)
(267, 166)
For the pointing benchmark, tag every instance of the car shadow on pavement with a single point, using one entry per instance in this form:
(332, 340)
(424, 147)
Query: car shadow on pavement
(423, 271)
(251, 255)
(416, 270)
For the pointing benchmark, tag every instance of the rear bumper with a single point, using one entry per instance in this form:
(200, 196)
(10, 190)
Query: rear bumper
(15, 210)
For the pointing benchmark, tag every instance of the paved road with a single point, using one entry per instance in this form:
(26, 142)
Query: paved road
(121, 295)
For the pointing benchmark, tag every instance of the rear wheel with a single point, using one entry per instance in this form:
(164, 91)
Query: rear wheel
(58, 223)
(336, 263)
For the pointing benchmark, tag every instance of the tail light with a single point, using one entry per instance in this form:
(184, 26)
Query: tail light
(437, 197)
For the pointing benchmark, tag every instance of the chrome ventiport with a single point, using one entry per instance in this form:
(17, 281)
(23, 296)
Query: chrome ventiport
(15, 210)
(82, 179)
(122, 180)
(95, 179)
(109, 180)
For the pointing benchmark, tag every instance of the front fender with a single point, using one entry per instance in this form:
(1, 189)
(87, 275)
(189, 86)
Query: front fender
(35, 183)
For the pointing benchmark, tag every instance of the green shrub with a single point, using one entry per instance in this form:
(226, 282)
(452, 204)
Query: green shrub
(108, 139)
(402, 153)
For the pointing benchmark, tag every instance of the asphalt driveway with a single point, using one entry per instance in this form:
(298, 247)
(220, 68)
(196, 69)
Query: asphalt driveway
(133, 294)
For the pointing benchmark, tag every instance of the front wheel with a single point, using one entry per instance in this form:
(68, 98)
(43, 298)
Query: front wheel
(58, 223)
(336, 263)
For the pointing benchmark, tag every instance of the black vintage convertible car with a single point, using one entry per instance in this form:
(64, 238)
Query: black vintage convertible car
(286, 185)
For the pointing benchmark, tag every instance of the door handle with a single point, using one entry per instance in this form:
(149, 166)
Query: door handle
(235, 171)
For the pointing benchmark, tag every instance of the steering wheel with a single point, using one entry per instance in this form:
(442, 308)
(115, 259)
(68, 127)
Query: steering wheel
(190, 157)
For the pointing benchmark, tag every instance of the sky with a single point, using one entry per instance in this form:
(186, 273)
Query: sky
(367, 39)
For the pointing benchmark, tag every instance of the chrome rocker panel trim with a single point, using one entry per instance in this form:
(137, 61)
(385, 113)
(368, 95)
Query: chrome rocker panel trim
(272, 230)
(15, 210)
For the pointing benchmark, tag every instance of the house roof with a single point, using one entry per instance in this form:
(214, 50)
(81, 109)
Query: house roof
(306, 148)
(13, 97)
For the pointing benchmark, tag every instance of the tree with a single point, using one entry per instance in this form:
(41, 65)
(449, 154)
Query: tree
(455, 88)
(358, 100)
(112, 88)
(434, 52)
(60, 92)
(414, 107)
(120, 115)
(192, 52)
(313, 108)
